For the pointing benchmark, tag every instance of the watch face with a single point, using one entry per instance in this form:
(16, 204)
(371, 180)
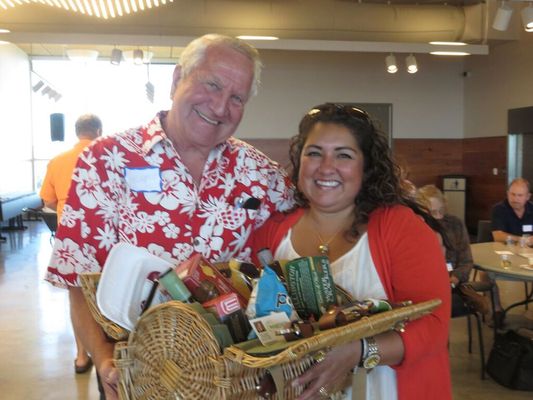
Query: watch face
(371, 361)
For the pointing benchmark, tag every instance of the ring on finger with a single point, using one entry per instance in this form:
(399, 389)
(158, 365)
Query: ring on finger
(323, 392)
(319, 356)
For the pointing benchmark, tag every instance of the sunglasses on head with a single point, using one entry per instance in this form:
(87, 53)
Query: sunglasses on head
(351, 111)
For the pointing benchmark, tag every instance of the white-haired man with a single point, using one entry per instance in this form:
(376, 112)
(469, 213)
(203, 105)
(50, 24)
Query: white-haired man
(173, 186)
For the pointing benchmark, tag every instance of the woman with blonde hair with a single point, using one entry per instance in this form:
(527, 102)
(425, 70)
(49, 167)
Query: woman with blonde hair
(457, 251)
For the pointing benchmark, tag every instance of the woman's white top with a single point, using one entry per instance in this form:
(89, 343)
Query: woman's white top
(356, 273)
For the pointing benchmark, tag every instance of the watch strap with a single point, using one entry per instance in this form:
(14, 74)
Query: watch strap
(372, 356)
(364, 352)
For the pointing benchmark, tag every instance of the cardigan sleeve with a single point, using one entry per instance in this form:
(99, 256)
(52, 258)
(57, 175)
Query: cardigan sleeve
(411, 265)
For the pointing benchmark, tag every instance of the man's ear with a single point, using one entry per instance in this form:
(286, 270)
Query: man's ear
(176, 76)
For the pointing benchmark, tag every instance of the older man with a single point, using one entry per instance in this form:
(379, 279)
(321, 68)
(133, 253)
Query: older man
(514, 216)
(175, 186)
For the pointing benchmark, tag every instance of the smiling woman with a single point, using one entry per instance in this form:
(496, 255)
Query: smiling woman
(352, 208)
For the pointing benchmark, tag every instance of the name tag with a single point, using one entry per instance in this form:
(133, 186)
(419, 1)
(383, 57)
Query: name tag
(146, 179)
(527, 228)
(449, 266)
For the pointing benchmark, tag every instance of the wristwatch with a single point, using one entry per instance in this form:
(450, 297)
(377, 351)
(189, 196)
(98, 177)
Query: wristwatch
(371, 357)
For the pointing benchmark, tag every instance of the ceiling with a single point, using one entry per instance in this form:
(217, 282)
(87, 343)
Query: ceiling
(341, 25)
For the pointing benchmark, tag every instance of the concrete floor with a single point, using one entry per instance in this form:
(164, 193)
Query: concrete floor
(37, 347)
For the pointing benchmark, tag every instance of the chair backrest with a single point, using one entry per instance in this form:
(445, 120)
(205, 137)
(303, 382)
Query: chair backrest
(50, 220)
(484, 231)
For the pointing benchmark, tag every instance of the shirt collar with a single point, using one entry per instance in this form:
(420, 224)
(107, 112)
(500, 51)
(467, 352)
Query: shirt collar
(153, 133)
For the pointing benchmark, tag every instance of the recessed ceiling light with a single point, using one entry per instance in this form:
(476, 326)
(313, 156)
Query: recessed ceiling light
(448, 43)
(246, 37)
(82, 55)
(4, 30)
(449, 53)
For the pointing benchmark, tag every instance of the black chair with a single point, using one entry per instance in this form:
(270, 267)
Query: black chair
(49, 218)
(484, 231)
(463, 310)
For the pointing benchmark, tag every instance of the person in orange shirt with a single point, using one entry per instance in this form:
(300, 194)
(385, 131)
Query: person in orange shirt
(56, 183)
(54, 193)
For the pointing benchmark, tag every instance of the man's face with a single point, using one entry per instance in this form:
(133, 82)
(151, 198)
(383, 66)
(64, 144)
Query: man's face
(517, 196)
(208, 104)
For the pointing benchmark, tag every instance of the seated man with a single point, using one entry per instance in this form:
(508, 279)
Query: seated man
(514, 216)
(511, 218)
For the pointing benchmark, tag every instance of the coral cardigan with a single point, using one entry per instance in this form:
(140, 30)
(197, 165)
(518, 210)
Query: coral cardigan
(411, 266)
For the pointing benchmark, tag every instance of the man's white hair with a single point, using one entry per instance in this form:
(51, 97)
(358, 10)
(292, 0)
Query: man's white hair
(195, 51)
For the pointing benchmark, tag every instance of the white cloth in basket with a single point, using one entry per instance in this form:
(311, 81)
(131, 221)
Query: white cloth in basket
(121, 288)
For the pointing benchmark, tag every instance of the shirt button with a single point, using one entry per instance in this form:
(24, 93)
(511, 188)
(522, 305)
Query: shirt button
(196, 242)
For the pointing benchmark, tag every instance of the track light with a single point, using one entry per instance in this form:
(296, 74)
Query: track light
(137, 57)
(116, 56)
(390, 60)
(410, 62)
(527, 17)
(38, 86)
(502, 17)
(150, 91)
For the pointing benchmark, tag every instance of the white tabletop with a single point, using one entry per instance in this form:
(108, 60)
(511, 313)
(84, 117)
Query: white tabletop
(486, 258)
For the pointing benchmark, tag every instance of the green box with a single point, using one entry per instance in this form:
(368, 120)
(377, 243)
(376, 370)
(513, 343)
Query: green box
(310, 285)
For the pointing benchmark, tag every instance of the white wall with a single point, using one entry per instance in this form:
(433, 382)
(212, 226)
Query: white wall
(498, 82)
(428, 104)
(15, 119)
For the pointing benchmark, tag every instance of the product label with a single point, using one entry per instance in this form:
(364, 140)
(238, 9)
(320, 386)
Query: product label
(310, 285)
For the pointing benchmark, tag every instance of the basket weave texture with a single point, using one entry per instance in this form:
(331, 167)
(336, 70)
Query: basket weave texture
(89, 283)
(173, 354)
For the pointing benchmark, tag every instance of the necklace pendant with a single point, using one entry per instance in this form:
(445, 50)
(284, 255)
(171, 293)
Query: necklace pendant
(324, 249)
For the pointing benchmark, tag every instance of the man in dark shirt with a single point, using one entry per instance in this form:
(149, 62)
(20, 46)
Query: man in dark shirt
(514, 216)
(511, 218)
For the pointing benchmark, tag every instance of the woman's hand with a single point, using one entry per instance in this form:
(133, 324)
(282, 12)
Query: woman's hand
(109, 377)
(330, 372)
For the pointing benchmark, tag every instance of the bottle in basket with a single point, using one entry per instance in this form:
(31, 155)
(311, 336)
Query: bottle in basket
(175, 286)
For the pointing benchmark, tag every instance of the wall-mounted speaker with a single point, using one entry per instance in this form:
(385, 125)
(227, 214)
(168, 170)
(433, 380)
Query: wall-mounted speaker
(57, 127)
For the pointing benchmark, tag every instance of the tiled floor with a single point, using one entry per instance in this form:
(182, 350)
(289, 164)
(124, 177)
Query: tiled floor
(37, 348)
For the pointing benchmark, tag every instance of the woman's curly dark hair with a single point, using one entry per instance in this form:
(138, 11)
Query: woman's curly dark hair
(381, 176)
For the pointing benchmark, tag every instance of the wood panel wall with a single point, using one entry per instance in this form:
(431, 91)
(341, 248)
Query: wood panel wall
(480, 156)
(276, 149)
(426, 160)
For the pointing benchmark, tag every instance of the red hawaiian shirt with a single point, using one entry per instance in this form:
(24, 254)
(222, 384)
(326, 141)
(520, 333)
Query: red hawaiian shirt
(133, 187)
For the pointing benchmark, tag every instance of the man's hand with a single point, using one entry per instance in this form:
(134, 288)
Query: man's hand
(109, 377)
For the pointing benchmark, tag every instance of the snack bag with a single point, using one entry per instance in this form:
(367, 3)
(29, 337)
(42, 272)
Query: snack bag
(268, 296)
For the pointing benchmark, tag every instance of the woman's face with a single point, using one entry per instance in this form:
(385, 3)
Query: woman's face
(436, 208)
(331, 167)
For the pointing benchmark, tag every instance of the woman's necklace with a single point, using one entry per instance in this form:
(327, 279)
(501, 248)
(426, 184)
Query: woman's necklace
(323, 247)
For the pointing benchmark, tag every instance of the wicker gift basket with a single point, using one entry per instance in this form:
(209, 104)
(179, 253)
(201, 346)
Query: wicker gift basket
(173, 354)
